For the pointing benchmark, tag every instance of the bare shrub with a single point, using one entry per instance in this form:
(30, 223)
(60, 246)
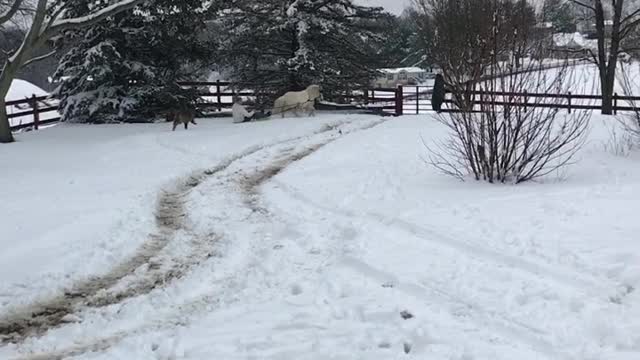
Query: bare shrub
(496, 132)
(630, 121)
(620, 142)
(495, 142)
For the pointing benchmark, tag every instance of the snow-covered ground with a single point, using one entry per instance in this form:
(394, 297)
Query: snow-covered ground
(324, 238)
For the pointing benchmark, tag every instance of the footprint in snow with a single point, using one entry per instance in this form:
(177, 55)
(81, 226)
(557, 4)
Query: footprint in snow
(296, 290)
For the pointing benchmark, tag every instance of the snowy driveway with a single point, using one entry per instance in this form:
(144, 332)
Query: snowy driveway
(337, 242)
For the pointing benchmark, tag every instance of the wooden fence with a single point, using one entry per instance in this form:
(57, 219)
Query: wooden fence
(218, 97)
(34, 107)
(404, 100)
(568, 101)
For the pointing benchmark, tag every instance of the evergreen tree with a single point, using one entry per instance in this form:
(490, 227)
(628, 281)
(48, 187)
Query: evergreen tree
(402, 47)
(561, 14)
(274, 46)
(126, 68)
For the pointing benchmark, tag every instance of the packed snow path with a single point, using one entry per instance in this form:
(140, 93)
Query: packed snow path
(336, 244)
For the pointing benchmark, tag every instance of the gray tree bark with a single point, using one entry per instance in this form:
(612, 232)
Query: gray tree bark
(609, 45)
(43, 27)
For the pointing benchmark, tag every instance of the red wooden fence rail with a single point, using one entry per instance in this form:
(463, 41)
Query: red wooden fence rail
(395, 100)
(37, 106)
(571, 102)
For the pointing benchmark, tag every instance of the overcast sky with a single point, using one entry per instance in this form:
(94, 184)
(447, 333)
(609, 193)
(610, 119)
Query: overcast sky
(394, 6)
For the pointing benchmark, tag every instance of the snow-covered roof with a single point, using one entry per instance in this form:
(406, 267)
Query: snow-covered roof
(21, 89)
(406, 69)
(572, 40)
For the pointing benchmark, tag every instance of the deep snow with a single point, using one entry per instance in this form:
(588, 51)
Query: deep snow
(320, 238)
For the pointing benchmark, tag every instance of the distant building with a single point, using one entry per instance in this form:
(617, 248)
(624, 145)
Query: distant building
(401, 76)
(588, 28)
(573, 45)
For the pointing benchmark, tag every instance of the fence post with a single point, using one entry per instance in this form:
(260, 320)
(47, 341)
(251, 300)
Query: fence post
(36, 112)
(569, 99)
(615, 103)
(417, 100)
(399, 100)
(526, 100)
(366, 96)
(218, 91)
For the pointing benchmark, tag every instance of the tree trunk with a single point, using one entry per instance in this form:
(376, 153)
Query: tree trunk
(607, 103)
(607, 95)
(611, 65)
(6, 79)
(5, 128)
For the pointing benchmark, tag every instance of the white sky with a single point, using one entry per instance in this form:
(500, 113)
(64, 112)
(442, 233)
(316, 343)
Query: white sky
(394, 6)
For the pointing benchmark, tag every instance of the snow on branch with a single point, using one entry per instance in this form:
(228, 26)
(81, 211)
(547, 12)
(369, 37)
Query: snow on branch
(583, 4)
(91, 19)
(11, 11)
(39, 58)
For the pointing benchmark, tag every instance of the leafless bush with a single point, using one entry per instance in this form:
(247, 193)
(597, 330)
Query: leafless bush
(620, 142)
(501, 132)
(630, 121)
(484, 49)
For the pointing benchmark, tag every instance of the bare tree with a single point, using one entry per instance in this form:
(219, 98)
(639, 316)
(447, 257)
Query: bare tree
(47, 21)
(496, 133)
(611, 34)
(468, 35)
(460, 29)
(502, 136)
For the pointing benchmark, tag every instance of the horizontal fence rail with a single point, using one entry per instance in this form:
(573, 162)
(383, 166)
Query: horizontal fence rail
(568, 101)
(218, 97)
(39, 110)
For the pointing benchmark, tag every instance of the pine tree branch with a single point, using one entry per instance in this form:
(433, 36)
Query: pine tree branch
(80, 22)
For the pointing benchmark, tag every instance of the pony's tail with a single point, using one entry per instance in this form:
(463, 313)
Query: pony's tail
(278, 106)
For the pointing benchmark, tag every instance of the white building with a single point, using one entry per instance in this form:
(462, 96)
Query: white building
(389, 78)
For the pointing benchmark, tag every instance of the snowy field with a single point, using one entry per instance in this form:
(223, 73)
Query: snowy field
(323, 238)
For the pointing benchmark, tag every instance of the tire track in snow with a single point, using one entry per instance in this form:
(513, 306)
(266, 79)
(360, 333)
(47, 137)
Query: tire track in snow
(35, 319)
(171, 217)
(503, 324)
(567, 277)
(500, 323)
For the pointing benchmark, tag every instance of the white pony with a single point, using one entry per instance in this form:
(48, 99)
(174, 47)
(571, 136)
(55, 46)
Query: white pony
(298, 100)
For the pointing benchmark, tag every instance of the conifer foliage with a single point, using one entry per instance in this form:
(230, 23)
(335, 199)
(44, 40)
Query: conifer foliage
(274, 46)
(126, 68)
